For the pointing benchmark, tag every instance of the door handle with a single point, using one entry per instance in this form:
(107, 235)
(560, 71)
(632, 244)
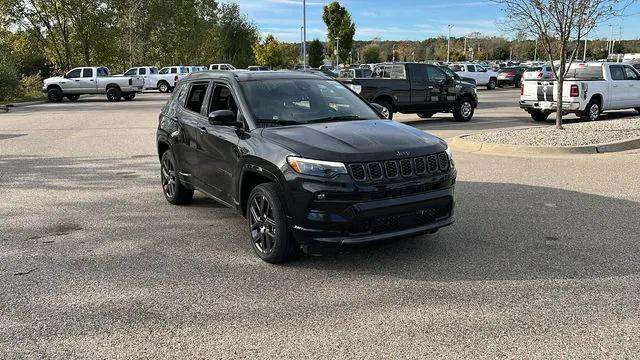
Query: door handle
(76, 80)
(430, 87)
(614, 85)
(91, 80)
(203, 130)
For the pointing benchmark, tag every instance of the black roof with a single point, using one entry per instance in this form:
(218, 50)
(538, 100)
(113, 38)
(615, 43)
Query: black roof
(245, 75)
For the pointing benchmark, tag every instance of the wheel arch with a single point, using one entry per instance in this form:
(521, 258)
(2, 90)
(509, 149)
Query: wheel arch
(112, 85)
(387, 97)
(54, 86)
(252, 176)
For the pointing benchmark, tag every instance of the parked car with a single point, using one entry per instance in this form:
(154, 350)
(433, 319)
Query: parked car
(307, 162)
(542, 72)
(511, 76)
(354, 73)
(148, 73)
(92, 80)
(415, 88)
(482, 76)
(589, 89)
(221, 67)
(193, 69)
(258, 68)
(169, 76)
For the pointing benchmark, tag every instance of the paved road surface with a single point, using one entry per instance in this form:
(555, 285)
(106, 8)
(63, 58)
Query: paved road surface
(542, 263)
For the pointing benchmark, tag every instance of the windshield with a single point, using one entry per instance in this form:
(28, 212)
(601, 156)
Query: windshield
(303, 101)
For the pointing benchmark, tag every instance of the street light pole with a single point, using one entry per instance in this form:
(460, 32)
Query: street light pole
(584, 55)
(393, 53)
(337, 52)
(304, 34)
(449, 44)
(301, 45)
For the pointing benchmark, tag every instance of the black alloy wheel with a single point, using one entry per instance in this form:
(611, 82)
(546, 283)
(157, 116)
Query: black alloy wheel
(174, 191)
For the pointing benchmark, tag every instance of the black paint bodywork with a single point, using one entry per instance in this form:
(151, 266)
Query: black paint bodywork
(225, 162)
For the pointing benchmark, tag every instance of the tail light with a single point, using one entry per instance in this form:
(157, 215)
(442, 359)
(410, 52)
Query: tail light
(521, 88)
(574, 92)
(176, 78)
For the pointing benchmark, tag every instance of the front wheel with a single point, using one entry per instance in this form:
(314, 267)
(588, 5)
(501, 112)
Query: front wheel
(54, 95)
(492, 84)
(539, 116)
(464, 110)
(268, 231)
(174, 191)
(164, 87)
(114, 94)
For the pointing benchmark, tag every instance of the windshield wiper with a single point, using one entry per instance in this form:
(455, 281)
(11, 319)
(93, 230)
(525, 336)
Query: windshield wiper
(279, 122)
(334, 118)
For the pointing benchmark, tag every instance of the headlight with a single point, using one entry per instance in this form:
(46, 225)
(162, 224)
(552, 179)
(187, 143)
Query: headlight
(449, 152)
(311, 167)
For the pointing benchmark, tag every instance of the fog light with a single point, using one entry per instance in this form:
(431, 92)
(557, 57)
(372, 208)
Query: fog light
(321, 196)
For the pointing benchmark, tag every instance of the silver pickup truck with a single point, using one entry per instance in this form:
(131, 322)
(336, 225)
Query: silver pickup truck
(92, 80)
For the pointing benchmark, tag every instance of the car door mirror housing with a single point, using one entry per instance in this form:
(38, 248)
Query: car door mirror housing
(223, 117)
(381, 110)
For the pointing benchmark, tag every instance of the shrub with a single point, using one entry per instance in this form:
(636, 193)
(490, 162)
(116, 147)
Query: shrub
(30, 86)
(9, 79)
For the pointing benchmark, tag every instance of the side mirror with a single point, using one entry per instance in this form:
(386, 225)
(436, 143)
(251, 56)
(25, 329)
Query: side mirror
(223, 118)
(65, 76)
(381, 109)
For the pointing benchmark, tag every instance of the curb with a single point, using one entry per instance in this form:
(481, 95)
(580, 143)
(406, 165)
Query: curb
(21, 104)
(466, 145)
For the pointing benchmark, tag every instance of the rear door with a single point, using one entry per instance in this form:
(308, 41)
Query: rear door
(419, 86)
(88, 80)
(192, 122)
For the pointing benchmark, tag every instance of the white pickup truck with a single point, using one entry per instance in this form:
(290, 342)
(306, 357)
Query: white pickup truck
(169, 76)
(588, 89)
(148, 73)
(91, 80)
(481, 75)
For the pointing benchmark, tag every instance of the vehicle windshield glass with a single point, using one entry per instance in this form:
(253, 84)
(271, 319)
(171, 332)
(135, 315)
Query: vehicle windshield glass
(153, 70)
(302, 101)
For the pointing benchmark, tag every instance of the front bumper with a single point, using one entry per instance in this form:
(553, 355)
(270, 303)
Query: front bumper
(343, 222)
(548, 106)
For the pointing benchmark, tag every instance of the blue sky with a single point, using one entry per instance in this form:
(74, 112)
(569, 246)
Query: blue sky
(398, 19)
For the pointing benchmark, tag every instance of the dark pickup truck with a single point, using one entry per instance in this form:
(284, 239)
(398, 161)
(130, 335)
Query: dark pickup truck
(415, 88)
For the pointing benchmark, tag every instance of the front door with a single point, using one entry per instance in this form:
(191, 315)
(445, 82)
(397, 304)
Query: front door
(72, 83)
(220, 145)
(439, 84)
(633, 86)
(619, 87)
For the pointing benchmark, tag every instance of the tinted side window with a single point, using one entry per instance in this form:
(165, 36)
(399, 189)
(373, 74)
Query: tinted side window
(142, 71)
(418, 73)
(153, 70)
(617, 73)
(87, 73)
(222, 99)
(164, 71)
(174, 70)
(436, 75)
(130, 72)
(471, 68)
(75, 73)
(196, 96)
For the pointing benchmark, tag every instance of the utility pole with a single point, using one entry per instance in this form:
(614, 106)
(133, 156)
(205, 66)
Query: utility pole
(301, 45)
(393, 53)
(584, 56)
(619, 40)
(449, 44)
(535, 52)
(610, 42)
(304, 34)
(465, 46)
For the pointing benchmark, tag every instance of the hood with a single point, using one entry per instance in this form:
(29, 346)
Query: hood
(53, 79)
(355, 141)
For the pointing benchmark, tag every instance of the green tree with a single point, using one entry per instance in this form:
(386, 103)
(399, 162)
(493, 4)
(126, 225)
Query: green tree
(371, 54)
(275, 54)
(234, 37)
(316, 53)
(339, 25)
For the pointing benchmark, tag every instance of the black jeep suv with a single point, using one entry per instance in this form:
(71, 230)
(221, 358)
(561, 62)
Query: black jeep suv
(307, 161)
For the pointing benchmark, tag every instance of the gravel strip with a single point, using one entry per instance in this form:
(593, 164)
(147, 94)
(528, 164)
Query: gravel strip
(590, 133)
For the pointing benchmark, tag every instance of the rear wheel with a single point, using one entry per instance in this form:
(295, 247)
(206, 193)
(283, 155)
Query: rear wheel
(174, 191)
(268, 231)
(464, 110)
(387, 106)
(164, 87)
(73, 97)
(114, 94)
(492, 84)
(129, 96)
(592, 111)
(539, 116)
(54, 95)
(426, 115)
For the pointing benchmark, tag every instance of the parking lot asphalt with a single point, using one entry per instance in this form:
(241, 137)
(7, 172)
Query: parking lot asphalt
(94, 263)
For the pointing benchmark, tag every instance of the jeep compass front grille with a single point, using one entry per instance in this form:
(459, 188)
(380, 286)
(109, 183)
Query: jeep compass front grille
(407, 168)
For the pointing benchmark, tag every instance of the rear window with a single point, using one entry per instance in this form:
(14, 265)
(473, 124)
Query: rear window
(585, 73)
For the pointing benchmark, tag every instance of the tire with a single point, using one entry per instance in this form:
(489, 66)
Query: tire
(73, 97)
(387, 106)
(592, 111)
(492, 84)
(464, 110)
(539, 116)
(164, 87)
(269, 234)
(426, 115)
(114, 94)
(129, 96)
(54, 95)
(174, 191)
